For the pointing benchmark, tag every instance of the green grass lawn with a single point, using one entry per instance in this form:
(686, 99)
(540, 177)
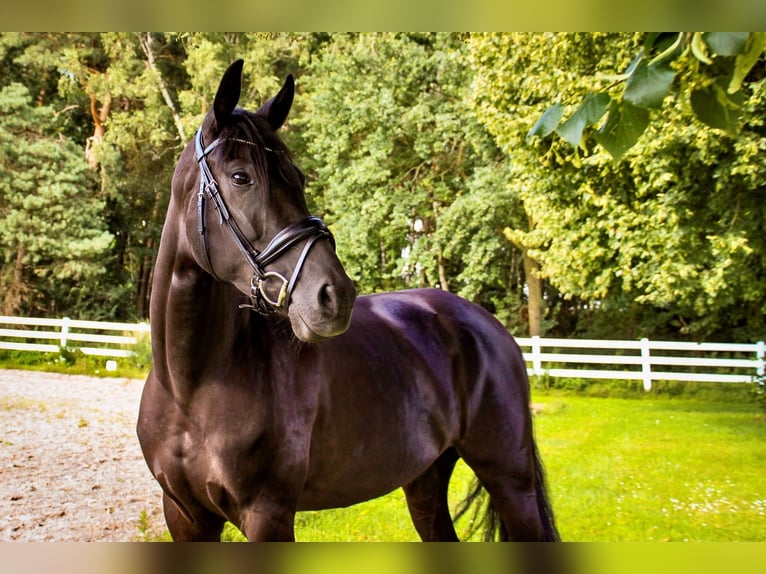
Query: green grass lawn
(648, 469)
(655, 469)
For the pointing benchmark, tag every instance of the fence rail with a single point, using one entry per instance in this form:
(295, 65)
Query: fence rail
(577, 358)
(706, 362)
(54, 335)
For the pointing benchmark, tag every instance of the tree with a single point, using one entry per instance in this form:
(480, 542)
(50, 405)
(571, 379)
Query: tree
(400, 166)
(674, 230)
(514, 74)
(52, 238)
(92, 81)
(131, 102)
(418, 153)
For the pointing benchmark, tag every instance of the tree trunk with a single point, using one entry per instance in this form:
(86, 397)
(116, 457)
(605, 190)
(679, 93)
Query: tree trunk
(443, 280)
(147, 44)
(535, 302)
(144, 287)
(14, 294)
(99, 117)
(534, 295)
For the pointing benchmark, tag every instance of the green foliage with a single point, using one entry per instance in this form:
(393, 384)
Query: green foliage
(52, 233)
(759, 391)
(401, 167)
(131, 101)
(74, 362)
(146, 533)
(463, 161)
(712, 68)
(590, 111)
(623, 127)
(142, 352)
(665, 230)
(488, 266)
(647, 85)
(627, 389)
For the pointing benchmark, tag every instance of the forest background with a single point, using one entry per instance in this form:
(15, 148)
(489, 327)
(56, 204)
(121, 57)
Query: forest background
(418, 154)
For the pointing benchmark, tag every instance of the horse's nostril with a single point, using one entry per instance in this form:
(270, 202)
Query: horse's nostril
(328, 298)
(335, 300)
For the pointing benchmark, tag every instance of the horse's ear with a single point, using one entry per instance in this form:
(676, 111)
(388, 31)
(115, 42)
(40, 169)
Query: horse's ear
(228, 94)
(277, 108)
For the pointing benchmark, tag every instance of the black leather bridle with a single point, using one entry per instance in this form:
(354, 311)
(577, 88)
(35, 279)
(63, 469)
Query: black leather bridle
(311, 229)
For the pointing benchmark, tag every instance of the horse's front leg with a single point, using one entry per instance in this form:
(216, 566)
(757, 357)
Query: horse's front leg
(203, 527)
(269, 519)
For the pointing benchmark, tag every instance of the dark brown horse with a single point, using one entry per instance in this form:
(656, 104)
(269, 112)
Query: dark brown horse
(268, 396)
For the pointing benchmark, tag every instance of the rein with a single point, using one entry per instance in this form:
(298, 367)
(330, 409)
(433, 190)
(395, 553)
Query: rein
(311, 229)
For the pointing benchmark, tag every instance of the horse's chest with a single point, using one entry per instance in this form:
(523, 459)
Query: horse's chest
(223, 449)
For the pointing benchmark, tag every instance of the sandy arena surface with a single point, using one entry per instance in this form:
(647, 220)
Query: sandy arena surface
(71, 468)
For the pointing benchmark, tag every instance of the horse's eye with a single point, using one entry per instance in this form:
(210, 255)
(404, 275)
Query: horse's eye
(240, 178)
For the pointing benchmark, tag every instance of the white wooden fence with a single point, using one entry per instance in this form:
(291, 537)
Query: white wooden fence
(575, 358)
(637, 360)
(53, 335)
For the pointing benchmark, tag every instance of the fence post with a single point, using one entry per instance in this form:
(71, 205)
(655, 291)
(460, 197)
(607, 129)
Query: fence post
(64, 332)
(646, 364)
(537, 362)
(760, 353)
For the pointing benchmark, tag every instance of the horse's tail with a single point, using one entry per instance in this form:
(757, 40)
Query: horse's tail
(483, 517)
(486, 519)
(550, 532)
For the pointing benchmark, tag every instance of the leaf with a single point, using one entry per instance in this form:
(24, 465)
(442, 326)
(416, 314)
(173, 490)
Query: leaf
(547, 122)
(715, 108)
(746, 60)
(650, 39)
(591, 110)
(632, 66)
(623, 127)
(726, 43)
(699, 48)
(670, 47)
(594, 107)
(648, 85)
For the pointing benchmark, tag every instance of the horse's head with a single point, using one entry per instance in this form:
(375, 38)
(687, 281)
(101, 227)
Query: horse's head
(247, 222)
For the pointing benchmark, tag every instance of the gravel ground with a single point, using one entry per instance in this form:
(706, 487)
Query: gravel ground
(71, 468)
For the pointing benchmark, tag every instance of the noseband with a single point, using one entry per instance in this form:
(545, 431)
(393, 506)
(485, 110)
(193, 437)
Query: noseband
(311, 229)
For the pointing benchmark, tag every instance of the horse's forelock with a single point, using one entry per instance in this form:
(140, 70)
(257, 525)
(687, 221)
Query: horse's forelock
(264, 146)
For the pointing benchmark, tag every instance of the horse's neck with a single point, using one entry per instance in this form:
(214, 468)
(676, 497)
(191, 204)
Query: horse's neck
(196, 321)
